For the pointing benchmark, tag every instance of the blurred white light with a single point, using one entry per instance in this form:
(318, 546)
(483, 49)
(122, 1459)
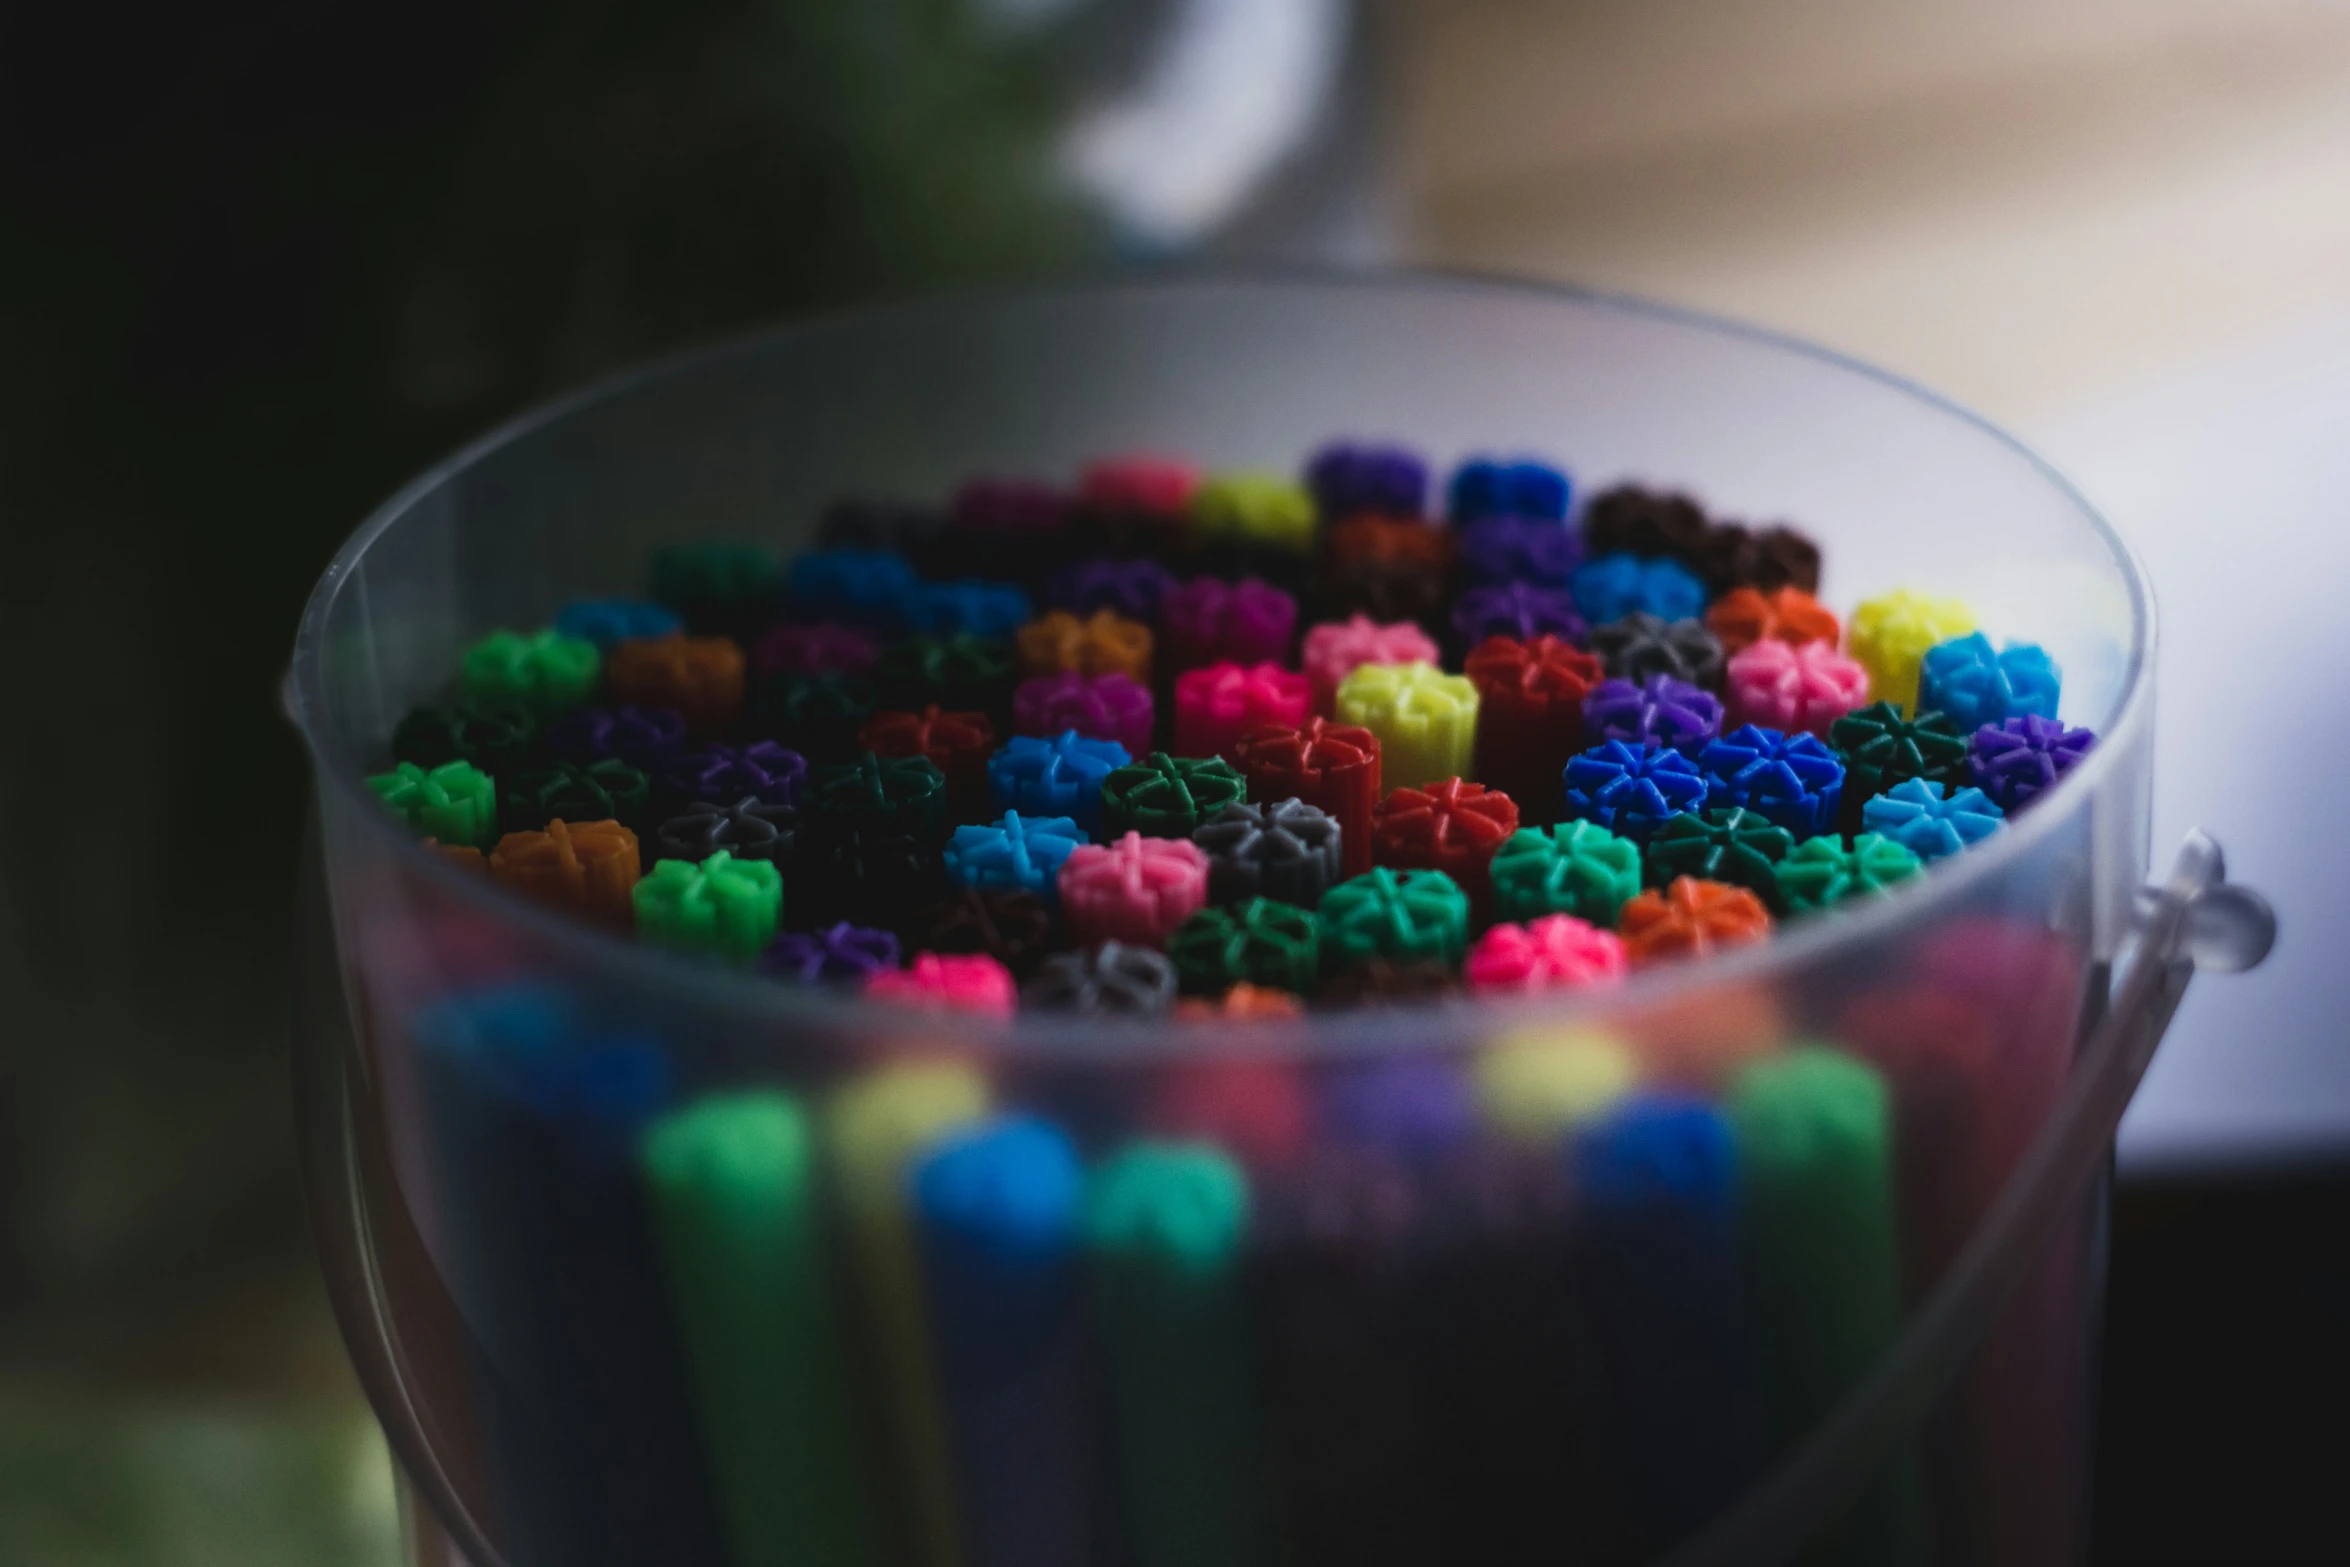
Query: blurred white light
(1234, 87)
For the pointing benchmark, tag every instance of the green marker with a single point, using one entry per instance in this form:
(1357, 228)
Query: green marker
(735, 1201)
(723, 905)
(1732, 844)
(1166, 796)
(543, 672)
(455, 802)
(1577, 868)
(1261, 942)
(719, 588)
(1403, 916)
(1164, 1226)
(1822, 871)
(1814, 1136)
(875, 1129)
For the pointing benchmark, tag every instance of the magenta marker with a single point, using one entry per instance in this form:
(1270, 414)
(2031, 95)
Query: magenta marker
(1215, 706)
(1208, 620)
(1098, 707)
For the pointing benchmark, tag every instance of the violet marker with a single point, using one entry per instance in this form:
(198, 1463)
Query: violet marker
(1520, 611)
(646, 738)
(1098, 707)
(1337, 1341)
(842, 954)
(722, 774)
(1134, 589)
(1349, 480)
(1658, 711)
(2016, 761)
(1344, 1350)
(1518, 549)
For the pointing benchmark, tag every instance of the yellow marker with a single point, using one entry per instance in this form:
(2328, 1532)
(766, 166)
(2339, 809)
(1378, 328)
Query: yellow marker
(877, 1127)
(1426, 720)
(1536, 1084)
(1254, 508)
(1890, 634)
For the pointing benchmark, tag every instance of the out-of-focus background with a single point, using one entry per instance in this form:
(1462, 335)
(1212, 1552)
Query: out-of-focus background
(258, 262)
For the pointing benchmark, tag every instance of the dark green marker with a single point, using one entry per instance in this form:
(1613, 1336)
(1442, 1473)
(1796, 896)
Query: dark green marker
(1164, 1226)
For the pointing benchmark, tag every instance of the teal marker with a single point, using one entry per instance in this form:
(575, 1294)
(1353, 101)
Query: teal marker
(735, 1201)
(1814, 1135)
(1164, 1225)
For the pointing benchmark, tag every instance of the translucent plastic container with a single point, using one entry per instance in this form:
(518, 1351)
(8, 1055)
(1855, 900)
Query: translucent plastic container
(1422, 1292)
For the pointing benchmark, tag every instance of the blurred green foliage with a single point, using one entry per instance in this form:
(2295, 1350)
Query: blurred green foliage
(133, 1485)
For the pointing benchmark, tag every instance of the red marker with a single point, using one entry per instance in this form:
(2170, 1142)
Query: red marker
(1333, 766)
(1451, 826)
(1530, 718)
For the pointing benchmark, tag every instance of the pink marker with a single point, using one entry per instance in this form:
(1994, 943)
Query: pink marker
(1215, 706)
(811, 650)
(1336, 649)
(948, 983)
(1134, 890)
(1789, 688)
(1556, 952)
(1208, 620)
(1099, 707)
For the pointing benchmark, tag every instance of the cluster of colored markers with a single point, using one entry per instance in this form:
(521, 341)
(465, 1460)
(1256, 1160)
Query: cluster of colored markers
(1241, 740)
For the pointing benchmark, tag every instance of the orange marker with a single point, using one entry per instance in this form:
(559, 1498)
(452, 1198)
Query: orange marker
(1243, 1000)
(1744, 616)
(1690, 919)
(701, 677)
(1105, 644)
(592, 867)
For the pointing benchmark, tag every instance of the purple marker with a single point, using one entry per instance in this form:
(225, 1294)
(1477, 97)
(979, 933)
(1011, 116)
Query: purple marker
(1210, 621)
(1518, 549)
(1519, 610)
(646, 738)
(762, 770)
(1658, 711)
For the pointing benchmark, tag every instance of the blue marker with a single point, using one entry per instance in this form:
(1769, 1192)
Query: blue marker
(1057, 777)
(609, 622)
(1492, 487)
(980, 609)
(1614, 586)
(1660, 1270)
(533, 1119)
(998, 1212)
(857, 587)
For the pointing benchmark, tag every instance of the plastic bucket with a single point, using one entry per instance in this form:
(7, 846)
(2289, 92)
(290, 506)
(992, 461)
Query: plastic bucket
(1402, 1285)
